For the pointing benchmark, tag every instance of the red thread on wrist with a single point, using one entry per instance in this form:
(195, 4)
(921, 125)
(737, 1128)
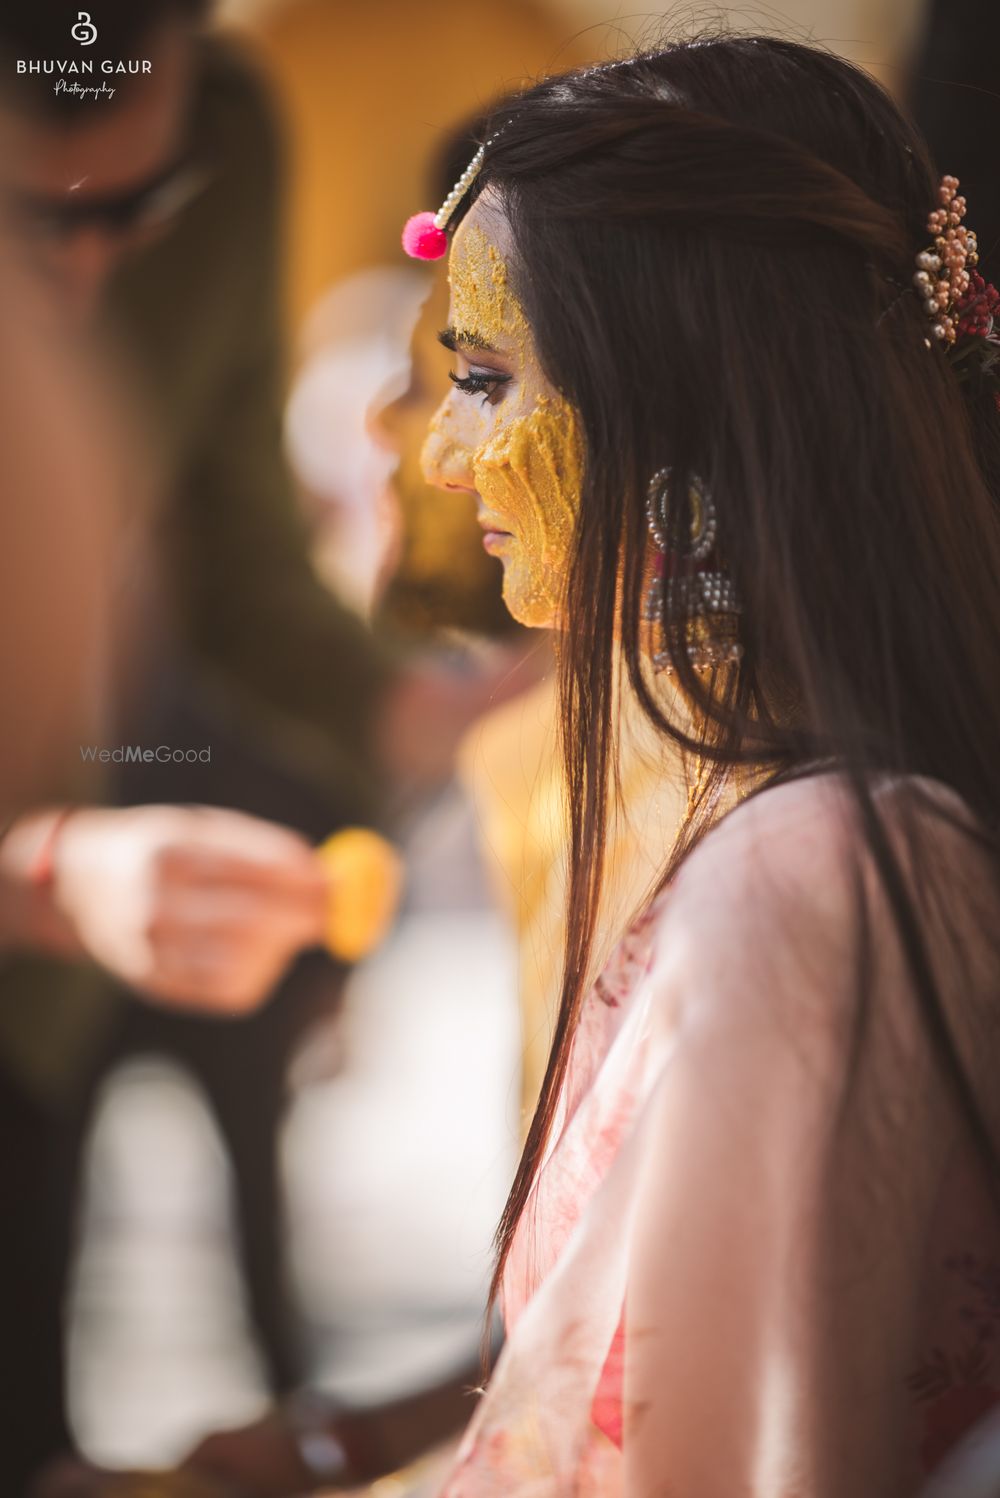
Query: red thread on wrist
(42, 868)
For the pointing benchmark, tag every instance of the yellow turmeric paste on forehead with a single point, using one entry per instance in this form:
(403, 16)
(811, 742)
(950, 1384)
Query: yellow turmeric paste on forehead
(528, 471)
(483, 305)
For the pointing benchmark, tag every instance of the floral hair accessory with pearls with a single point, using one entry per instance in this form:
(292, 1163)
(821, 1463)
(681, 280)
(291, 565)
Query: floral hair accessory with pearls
(425, 234)
(963, 308)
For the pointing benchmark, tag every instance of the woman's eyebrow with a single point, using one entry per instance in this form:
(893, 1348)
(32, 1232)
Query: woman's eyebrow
(455, 339)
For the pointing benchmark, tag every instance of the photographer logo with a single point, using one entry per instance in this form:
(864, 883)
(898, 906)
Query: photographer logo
(62, 69)
(84, 31)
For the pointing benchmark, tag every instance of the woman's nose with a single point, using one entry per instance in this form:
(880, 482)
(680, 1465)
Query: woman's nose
(445, 460)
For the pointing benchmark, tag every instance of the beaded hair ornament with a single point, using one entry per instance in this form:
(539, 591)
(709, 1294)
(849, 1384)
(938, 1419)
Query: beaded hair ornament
(963, 308)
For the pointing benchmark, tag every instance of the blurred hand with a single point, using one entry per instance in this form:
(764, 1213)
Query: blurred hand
(194, 906)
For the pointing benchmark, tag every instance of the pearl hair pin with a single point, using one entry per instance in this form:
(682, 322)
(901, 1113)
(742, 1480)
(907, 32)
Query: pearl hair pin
(425, 234)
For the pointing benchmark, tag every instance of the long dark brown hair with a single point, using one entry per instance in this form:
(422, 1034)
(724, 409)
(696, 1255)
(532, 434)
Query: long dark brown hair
(714, 244)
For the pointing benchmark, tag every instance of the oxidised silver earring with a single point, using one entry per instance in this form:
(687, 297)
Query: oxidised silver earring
(704, 599)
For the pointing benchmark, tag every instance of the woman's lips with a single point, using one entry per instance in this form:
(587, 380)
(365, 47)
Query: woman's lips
(494, 541)
(493, 536)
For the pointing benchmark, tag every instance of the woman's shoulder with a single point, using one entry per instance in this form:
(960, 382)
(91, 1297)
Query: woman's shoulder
(801, 840)
(785, 847)
(776, 897)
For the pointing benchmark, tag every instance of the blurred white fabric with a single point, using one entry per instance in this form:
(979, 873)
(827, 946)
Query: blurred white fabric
(159, 1346)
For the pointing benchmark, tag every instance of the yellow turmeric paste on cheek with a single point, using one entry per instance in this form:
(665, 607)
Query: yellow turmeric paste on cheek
(528, 470)
(529, 475)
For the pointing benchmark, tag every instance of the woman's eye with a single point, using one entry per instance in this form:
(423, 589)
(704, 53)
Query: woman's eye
(486, 385)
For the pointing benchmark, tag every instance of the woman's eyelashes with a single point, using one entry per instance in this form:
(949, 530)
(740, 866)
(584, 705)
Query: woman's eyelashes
(488, 384)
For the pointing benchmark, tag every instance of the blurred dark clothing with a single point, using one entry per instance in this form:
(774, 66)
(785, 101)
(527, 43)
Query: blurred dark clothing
(239, 646)
(955, 98)
(38, 1171)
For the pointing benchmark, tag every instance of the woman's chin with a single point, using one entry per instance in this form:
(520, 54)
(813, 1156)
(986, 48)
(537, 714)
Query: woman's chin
(527, 601)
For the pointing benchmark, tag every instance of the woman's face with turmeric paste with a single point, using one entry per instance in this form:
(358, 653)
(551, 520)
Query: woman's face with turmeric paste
(503, 433)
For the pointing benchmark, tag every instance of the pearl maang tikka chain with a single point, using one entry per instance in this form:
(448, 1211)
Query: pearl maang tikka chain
(425, 235)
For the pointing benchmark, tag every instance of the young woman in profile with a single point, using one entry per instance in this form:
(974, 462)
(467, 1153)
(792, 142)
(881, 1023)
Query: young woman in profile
(724, 397)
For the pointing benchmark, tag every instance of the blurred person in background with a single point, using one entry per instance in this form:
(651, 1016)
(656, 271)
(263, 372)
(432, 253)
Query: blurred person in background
(151, 216)
(152, 211)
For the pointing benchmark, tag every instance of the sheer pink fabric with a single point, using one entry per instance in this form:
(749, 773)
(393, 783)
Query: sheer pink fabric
(752, 1265)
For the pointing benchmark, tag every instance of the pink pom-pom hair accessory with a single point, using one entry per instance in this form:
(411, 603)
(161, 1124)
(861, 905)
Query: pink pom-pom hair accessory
(423, 239)
(425, 234)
